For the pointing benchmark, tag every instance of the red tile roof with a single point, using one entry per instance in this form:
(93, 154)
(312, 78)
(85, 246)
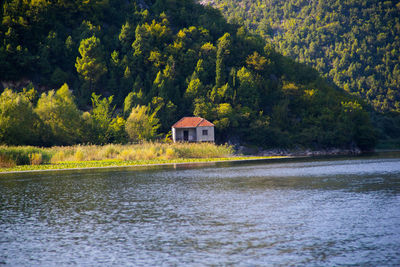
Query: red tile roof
(192, 122)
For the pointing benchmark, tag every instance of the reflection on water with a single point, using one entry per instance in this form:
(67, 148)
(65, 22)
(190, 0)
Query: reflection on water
(292, 212)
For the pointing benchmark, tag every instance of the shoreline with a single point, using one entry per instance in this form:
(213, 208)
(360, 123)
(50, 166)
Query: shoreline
(178, 162)
(91, 165)
(310, 152)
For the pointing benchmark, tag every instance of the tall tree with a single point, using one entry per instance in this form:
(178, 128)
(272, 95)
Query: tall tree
(224, 44)
(90, 65)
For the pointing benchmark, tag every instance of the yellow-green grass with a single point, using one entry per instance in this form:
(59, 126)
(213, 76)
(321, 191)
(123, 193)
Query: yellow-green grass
(120, 163)
(92, 156)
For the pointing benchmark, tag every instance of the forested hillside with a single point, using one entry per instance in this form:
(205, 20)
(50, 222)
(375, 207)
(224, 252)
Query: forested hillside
(355, 43)
(118, 71)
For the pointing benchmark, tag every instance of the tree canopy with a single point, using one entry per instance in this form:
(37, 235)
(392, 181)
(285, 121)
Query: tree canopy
(356, 44)
(157, 61)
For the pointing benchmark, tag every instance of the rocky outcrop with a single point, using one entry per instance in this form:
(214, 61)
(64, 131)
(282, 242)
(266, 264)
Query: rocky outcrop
(206, 2)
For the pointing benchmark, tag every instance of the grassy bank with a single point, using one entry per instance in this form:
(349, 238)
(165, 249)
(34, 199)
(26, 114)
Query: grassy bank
(92, 156)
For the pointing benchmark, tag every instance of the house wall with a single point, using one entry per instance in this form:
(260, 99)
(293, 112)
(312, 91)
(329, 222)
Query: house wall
(177, 134)
(174, 134)
(205, 138)
(195, 134)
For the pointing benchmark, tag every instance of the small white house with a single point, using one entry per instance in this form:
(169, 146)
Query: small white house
(193, 129)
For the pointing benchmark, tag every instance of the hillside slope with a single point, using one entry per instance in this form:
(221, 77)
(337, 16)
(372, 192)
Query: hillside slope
(177, 58)
(354, 43)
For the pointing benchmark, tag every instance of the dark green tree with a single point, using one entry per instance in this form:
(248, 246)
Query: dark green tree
(90, 65)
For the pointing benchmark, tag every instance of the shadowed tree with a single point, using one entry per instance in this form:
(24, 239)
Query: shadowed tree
(224, 44)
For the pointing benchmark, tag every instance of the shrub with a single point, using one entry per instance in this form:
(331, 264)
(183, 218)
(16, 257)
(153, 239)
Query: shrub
(110, 151)
(18, 122)
(141, 125)
(23, 155)
(11, 156)
(58, 156)
(60, 115)
(78, 155)
(35, 158)
(170, 153)
(6, 162)
(127, 155)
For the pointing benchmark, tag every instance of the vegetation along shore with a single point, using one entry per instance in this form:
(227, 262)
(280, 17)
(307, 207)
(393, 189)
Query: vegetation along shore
(14, 159)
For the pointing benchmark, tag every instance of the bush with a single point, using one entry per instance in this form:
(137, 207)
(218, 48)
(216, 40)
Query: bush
(140, 125)
(60, 115)
(202, 150)
(6, 162)
(170, 153)
(25, 155)
(35, 158)
(18, 122)
(79, 155)
(11, 156)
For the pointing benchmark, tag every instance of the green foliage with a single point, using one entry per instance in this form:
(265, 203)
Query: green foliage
(90, 65)
(141, 125)
(195, 88)
(18, 122)
(165, 111)
(24, 155)
(103, 127)
(223, 47)
(256, 62)
(60, 116)
(129, 103)
(157, 61)
(354, 44)
(358, 124)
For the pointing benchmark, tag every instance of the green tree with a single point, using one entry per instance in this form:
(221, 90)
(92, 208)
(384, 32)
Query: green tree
(131, 100)
(90, 65)
(165, 112)
(247, 91)
(223, 47)
(61, 116)
(257, 62)
(141, 125)
(104, 127)
(357, 124)
(195, 88)
(19, 124)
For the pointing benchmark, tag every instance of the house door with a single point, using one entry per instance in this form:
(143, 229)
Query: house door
(185, 135)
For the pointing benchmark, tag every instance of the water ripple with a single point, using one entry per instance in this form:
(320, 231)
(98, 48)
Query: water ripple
(340, 212)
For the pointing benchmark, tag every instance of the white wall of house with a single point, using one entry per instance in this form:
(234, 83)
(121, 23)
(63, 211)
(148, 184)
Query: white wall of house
(174, 134)
(199, 134)
(179, 134)
(205, 134)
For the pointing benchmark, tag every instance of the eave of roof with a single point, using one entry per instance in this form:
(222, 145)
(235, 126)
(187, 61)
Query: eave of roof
(192, 122)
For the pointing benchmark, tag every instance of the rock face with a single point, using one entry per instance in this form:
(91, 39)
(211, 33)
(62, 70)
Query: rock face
(205, 2)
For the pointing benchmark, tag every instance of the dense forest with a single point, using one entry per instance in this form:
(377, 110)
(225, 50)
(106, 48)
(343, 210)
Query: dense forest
(354, 43)
(103, 71)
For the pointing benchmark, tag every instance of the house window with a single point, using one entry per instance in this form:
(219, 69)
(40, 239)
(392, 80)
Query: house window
(205, 132)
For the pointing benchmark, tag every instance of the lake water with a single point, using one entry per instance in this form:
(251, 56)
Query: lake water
(341, 211)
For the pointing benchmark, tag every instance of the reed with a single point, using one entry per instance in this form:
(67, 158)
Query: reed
(27, 155)
(24, 155)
